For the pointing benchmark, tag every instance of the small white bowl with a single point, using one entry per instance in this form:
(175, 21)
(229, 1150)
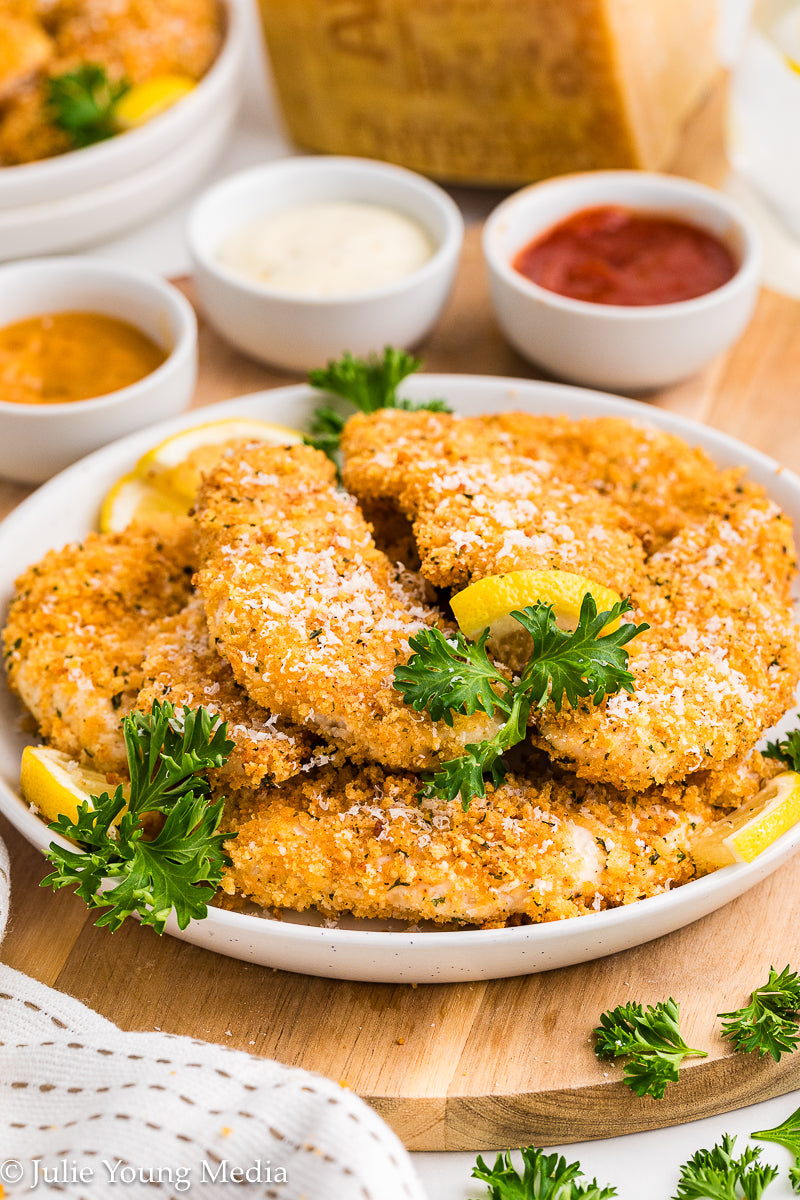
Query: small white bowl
(299, 332)
(37, 440)
(618, 347)
(106, 162)
(84, 196)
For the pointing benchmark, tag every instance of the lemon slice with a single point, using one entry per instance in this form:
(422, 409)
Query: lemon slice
(165, 480)
(55, 783)
(132, 498)
(177, 464)
(488, 604)
(741, 836)
(146, 100)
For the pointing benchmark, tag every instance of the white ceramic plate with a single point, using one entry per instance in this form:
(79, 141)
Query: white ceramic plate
(67, 506)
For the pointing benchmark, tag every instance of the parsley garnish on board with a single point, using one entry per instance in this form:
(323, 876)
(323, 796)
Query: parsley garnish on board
(544, 1177)
(651, 1040)
(82, 102)
(788, 1135)
(768, 1024)
(717, 1175)
(448, 675)
(368, 384)
(169, 753)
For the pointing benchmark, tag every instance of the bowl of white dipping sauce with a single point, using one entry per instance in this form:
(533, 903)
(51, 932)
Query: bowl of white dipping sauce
(299, 260)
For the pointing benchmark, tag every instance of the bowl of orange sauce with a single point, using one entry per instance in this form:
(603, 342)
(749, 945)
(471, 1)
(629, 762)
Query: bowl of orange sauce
(623, 280)
(89, 351)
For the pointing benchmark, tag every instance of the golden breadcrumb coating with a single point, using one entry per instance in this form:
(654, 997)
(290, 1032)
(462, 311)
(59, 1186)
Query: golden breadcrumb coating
(180, 666)
(478, 508)
(311, 616)
(137, 39)
(78, 627)
(25, 49)
(661, 482)
(718, 666)
(361, 842)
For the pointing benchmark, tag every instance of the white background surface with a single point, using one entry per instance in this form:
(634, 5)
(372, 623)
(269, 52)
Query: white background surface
(642, 1166)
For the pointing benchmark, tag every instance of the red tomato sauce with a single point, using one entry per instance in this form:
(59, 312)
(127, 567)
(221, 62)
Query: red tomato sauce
(611, 255)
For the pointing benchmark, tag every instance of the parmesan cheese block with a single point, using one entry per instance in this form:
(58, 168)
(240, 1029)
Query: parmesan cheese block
(492, 91)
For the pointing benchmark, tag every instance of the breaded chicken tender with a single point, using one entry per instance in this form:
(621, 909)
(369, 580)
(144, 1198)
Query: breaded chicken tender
(659, 481)
(78, 628)
(361, 842)
(718, 666)
(137, 39)
(180, 666)
(311, 616)
(478, 508)
(25, 49)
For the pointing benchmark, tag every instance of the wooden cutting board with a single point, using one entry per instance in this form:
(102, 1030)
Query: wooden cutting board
(481, 1065)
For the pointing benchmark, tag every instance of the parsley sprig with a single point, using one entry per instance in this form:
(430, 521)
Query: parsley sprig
(786, 751)
(788, 1135)
(650, 1038)
(169, 754)
(769, 1023)
(367, 384)
(544, 1177)
(447, 675)
(82, 103)
(716, 1175)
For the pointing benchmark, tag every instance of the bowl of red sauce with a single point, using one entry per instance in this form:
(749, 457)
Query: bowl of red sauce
(621, 279)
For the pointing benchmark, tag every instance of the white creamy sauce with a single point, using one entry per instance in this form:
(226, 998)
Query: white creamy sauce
(326, 249)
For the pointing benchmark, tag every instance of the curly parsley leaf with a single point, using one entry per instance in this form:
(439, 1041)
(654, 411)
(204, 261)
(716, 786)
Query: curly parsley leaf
(651, 1040)
(717, 1175)
(447, 675)
(544, 1177)
(121, 869)
(788, 1135)
(769, 1023)
(367, 384)
(786, 751)
(82, 103)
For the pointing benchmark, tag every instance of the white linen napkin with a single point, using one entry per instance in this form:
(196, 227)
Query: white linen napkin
(90, 1112)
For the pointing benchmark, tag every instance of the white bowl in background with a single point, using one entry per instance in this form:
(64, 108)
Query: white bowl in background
(621, 347)
(299, 332)
(81, 171)
(37, 440)
(81, 220)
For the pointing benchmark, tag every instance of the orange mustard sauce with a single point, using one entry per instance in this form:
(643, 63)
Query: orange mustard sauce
(59, 357)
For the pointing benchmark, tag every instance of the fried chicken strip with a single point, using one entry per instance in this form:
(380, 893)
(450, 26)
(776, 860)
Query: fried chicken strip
(656, 478)
(311, 616)
(480, 508)
(718, 666)
(78, 628)
(180, 666)
(361, 842)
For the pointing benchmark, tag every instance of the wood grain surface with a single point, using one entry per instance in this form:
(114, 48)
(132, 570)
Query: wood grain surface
(481, 1065)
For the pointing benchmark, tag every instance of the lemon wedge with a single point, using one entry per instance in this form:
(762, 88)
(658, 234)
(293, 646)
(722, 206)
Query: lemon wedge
(146, 100)
(55, 783)
(743, 834)
(488, 604)
(177, 464)
(131, 497)
(165, 480)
